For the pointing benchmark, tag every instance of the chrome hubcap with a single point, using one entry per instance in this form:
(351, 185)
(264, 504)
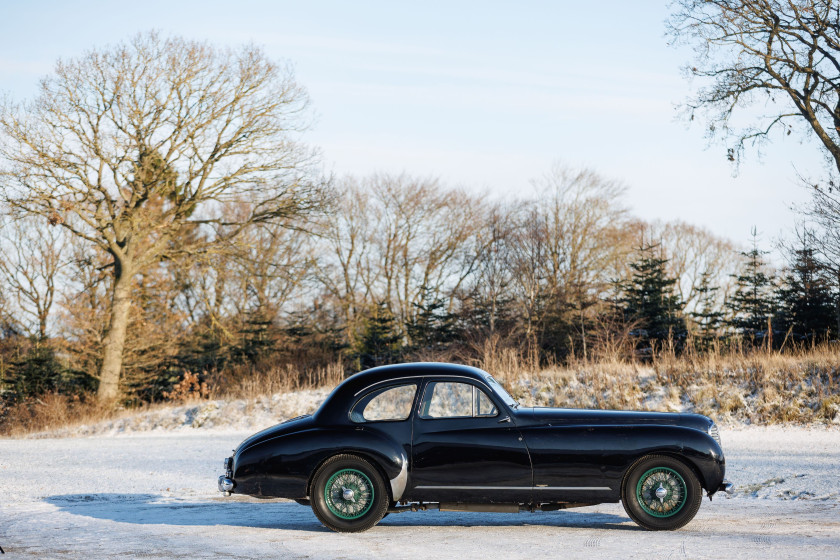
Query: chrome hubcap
(661, 493)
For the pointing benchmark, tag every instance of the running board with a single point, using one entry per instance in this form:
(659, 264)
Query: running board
(487, 508)
(490, 508)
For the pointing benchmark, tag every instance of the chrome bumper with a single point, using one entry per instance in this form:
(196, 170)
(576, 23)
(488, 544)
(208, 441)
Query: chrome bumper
(727, 487)
(226, 485)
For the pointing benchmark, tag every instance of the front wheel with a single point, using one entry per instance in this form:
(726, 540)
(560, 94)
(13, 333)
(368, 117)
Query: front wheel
(348, 494)
(661, 493)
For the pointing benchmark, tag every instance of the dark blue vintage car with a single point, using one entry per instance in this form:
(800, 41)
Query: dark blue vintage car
(423, 436)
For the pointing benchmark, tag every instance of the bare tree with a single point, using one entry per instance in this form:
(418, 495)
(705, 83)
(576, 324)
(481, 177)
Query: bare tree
(135, 146)
(527, 257)
(82, 313)
(344, 267)
(781, 54)
(422, 239)
(30, 263)
(267, 263)
(693, 252)
(568, 241)
(825, 213)
(492, 279)
(583, 212)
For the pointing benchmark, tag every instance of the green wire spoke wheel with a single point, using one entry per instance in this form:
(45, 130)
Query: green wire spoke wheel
(349, 494)
(661, 492)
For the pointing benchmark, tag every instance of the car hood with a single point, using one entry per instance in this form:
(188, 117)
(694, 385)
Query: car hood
(287, 427)
(574, 416)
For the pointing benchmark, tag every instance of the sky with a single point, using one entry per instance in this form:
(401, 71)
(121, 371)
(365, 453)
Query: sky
(484, 95)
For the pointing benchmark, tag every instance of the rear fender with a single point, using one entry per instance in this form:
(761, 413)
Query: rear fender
(283, 466)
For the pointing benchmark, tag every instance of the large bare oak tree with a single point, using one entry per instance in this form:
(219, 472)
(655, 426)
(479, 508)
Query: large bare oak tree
(780, 55)
(137, 148)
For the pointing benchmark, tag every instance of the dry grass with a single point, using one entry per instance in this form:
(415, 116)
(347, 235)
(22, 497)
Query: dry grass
(49, 412)
(750, 385)
(251, 383)
(52, 411)
(744, 385)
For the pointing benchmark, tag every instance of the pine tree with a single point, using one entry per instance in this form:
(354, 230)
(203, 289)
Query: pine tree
(379, 343)
(649, 298)
(806, 301)
(707, 314)
(35, 373)
(752, 303)
(432, 326)
(255, 336)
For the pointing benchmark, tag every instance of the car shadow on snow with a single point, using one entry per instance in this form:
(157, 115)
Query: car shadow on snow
(155, 509)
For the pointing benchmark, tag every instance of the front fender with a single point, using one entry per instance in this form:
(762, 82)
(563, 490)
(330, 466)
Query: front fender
(697, 448)
(283, 466)
(590, 456)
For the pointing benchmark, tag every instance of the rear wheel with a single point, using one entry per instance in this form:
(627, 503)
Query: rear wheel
(661, 493)
(348, 494)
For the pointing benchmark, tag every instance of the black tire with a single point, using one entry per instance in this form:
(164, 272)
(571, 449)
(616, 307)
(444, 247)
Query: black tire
(680, 489)
(352, 515)
(390, 505)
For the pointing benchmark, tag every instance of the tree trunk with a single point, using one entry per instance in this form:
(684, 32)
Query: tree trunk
(837, 305)
(112, 351)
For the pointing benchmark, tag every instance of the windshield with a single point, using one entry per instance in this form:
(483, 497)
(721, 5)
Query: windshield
(500, 391)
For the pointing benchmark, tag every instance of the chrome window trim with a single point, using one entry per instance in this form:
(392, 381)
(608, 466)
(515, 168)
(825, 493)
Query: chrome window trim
(473, 405)
(420, 377)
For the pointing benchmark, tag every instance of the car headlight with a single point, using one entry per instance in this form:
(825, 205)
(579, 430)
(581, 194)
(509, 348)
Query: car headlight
(715, 433)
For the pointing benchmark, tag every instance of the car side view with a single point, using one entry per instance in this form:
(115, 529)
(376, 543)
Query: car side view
(422, 436)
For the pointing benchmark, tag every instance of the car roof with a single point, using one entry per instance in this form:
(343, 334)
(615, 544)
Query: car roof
(343, 396)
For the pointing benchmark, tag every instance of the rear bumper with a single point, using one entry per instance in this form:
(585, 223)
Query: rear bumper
(727, 487)
(226, 485)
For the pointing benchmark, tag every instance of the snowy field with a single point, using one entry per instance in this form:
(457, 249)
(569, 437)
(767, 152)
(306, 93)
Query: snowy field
(153, 495)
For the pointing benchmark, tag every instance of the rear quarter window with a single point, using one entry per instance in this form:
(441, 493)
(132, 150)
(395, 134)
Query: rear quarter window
(388, 404)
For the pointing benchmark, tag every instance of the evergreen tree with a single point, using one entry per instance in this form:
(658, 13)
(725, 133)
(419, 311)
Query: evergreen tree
(379, 343)
(432, 327)
(256, 336)
(806, 301)
(752, 303)
(485, 315)
(35, 373)
(707, 315)
(649, 298)
(563, 323)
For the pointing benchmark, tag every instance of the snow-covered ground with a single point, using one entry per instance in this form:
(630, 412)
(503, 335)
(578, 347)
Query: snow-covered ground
(220, 415)
(153, 495)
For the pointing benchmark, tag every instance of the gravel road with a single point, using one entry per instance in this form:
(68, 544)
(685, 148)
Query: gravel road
(153, 496)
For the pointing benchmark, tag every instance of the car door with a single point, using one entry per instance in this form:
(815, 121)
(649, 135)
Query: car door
(466, 447)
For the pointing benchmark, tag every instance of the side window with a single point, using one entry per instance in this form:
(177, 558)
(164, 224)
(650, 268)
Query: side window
(485, 405)
(447, 399)
(390, 403)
